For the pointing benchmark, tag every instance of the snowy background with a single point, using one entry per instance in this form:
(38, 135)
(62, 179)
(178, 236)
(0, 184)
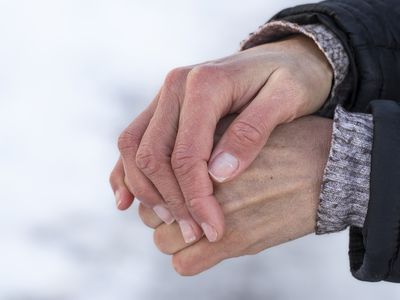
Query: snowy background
(72, 75)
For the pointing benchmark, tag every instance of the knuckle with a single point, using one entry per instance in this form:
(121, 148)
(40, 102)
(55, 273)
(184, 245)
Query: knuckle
(206, 74)
(128, 140)
(182, 159)
(195, 205)
(175, 79)
(146, 161)
(175, 204)
(202, 72)
(141, 192)
(246, 133)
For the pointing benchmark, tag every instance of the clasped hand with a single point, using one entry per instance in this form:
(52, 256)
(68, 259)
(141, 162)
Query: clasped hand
(274, 201)
(169, 157)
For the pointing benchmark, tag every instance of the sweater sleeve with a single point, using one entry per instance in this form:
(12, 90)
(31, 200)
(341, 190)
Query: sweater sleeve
(345, 188)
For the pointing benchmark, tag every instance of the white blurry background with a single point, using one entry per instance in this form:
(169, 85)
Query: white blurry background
(72, 75)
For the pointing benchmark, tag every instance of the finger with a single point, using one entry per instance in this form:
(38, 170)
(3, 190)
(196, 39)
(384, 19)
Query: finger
(169, 240)
(149, 217)
(212, 92)
(154, 153)
(123, 196)
(205, 102)
(249, 132)
(199, 257)
(135, 180)
(222, 126)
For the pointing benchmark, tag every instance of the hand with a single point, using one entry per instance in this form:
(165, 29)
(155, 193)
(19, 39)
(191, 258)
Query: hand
(166, 153)
(272, 202)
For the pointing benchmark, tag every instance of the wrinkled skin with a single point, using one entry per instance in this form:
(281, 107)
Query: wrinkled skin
(170, 144)
(274, 201)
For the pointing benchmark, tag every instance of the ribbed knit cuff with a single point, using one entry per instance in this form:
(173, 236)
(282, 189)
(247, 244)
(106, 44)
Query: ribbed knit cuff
(328, 43)
(345, 189)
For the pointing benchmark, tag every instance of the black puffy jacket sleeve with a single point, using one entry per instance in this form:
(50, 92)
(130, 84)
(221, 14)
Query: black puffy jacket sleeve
(370, 33)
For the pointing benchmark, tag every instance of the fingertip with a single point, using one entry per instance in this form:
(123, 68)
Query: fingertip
(117, 195)
(190, 231)
(123, 198)
(217, 230)
(148, 216)
(164, 214)
(208, 213)
(210, 232)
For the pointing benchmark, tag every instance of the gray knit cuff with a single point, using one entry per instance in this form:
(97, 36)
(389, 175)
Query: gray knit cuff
(345, 189)
(328, 43)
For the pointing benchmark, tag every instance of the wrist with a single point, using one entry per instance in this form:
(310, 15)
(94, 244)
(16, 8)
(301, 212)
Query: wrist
(325, 40)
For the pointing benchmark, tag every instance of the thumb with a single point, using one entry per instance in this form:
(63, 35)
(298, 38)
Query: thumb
(246, 136)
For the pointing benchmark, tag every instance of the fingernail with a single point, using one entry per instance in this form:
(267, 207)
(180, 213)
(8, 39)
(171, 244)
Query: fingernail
(187, 232)
(210, 232)
(223, 166)
(118, 198)
(163, 214)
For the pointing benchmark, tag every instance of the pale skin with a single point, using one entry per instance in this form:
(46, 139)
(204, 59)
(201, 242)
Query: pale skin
(274, 201)
(168, 157)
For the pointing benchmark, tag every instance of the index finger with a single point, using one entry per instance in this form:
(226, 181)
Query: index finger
(200, 113)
